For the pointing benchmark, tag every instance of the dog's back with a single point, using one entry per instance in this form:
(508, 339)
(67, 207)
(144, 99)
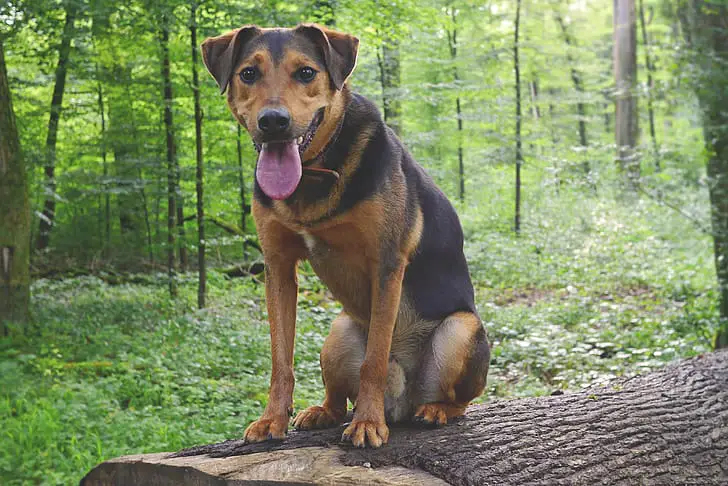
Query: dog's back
(335, 186)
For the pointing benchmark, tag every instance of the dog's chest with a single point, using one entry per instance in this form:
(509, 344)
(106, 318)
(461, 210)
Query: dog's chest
(341, 263)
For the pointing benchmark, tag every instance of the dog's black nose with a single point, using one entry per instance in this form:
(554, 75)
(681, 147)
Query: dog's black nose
(273, 121)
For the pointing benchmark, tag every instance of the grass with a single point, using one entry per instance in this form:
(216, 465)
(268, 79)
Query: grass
(590, 290)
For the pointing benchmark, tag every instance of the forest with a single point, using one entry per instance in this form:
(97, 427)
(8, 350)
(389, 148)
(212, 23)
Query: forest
(584, 144)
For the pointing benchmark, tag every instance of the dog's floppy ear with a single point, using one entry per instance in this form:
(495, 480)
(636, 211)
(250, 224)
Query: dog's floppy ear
(339, 49)
(220, 53)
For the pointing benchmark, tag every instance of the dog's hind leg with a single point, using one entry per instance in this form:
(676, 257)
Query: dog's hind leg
(454, 369)
(341, 358)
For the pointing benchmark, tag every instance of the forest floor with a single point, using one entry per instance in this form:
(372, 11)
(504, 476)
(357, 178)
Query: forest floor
(611, 290)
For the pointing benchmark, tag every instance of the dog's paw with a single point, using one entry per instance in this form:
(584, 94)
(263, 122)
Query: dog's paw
(363, 433)
(431, 414)
(266, 429)
(317, 418)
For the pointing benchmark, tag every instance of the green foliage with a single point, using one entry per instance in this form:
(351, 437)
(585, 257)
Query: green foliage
(595, 286)
(112, 370)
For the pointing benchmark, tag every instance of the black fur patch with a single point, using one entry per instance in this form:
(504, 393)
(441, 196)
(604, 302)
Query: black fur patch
(437, 279)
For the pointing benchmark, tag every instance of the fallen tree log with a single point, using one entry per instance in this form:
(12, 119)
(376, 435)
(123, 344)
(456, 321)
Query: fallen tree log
(666, 427)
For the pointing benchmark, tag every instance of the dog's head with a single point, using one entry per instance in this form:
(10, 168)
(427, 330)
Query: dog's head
(284, 87)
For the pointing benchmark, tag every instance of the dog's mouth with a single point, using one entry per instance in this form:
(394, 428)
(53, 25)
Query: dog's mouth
(279, 168)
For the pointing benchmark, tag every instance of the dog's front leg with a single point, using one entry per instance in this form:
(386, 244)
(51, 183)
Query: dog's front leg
(368, 425)
(281, 290)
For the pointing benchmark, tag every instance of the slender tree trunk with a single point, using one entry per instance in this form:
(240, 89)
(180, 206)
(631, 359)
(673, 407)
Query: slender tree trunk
(147, 222)
(14, 213)
(578, 86)
(201, 269)
(123, 138)
(519, 148)
(650, 86)
(390, 81)
(171, 157)
(241, 177)
(49, 204)
(625, 73)
(182, 243)
(105, 166)
(533, 91)
(706, 32)
(452, 38)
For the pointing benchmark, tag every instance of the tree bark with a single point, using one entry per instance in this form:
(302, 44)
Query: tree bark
(666, 427)
(200, 173)
(625, 74)
(452, 38)
(706, 32)
(519, 149)
(14, 213)
(49, 204)
(172, 171)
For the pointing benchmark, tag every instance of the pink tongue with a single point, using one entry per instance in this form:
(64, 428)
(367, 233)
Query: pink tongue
(279, 169)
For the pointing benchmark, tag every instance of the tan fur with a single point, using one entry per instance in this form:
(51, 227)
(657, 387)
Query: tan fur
(300, 215)
(379, 343)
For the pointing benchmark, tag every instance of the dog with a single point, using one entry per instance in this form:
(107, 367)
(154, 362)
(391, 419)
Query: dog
(336, 187)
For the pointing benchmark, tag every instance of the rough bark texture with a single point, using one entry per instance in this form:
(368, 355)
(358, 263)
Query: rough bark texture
(14, 212)
(705, 26)
(64, 52)
(625, 74)
(667, 427)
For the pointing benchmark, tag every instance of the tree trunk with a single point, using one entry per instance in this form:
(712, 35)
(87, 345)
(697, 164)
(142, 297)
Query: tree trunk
(650, 86)
(14, 213)
(706, 31)
(533, 93)
(182, 243)
(579, 87)
(49, 204)
(625, 74)
(123, 139)
(667, 427)
(105, 166)
(172, 171)
(241, 177)
(519, 149)
(390, 81)
(452, 38)
(201, 269)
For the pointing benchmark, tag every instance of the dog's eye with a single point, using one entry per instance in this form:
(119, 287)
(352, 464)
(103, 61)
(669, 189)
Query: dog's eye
(305, 74)
(249, 75)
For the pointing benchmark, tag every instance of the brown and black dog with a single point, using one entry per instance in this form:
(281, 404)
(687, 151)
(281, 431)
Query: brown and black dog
(335, 186)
